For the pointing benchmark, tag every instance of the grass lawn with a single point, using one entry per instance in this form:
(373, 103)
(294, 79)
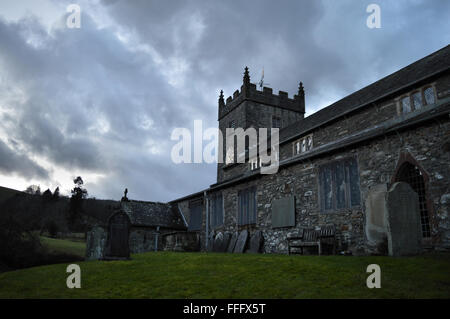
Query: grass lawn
(77, 248)
(213, 275)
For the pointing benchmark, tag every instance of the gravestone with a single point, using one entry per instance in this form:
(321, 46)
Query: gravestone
(241, 242)
(403, 220)
(118, 237)
(232, 243)
(376, 214)
(225, 241)
(95, 243)
(256, 242)
(218, 242)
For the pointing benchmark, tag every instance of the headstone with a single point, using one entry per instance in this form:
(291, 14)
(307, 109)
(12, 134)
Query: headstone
(232, 243)
(403, 220)
(225, 241)
(241, 242)
(118, 237)
(375, 214)
(218, 242)
(256, 242)
(95, 243)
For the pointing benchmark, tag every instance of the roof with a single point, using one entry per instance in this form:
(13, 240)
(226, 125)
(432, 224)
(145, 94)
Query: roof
(424, 68)
(153, 214)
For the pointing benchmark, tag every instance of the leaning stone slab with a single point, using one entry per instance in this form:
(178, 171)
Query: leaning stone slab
(232, 243)
(241, 242)
(218, 242)
(256, 242)
(403, 220)
(375, 227)
(225, 241)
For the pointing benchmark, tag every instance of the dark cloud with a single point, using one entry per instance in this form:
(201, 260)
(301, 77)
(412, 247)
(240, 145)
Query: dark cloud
(104, 98)
(14, 162)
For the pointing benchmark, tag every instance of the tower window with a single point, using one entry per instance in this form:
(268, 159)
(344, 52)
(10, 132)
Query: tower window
(276, 122)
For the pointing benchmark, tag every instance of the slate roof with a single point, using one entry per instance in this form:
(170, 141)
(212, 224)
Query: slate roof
(153, 214)
(426, 67)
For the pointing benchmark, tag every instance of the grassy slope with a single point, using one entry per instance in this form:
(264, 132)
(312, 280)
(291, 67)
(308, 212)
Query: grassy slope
(76, 248)
(200, 275)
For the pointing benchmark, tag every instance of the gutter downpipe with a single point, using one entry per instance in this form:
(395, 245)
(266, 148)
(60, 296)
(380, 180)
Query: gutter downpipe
(156, 238)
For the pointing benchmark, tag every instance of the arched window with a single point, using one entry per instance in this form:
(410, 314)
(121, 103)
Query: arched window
(411, 174)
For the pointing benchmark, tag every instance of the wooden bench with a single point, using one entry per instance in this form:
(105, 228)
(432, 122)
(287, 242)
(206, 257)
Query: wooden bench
(311, 237)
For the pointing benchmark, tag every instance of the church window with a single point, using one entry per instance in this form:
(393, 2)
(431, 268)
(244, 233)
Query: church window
(339, 185)
(303, 145)
(247, 206)
(406, 104)
(429, 95)
(216, 210)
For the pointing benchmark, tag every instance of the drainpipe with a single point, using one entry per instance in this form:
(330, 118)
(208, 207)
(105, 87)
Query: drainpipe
(207, 220)
(156, 238)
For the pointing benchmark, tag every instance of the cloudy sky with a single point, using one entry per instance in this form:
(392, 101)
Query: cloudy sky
(101, 101)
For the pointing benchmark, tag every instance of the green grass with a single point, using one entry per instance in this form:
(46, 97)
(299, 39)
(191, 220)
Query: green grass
(76, 248)
(201, 275)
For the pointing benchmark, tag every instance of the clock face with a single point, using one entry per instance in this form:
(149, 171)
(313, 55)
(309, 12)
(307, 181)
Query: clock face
(229, 157)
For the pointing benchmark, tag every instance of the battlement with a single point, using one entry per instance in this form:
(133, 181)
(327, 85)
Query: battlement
(248, 92)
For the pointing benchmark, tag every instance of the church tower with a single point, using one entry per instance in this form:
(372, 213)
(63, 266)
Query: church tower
(250, 107)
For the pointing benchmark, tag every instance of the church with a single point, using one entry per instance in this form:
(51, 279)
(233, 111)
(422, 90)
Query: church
(369, 169)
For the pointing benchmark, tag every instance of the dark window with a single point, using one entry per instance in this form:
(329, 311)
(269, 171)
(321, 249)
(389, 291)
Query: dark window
(216, 211)
(339, 185)
(196, 217)
(232, 124)
(276, 122)
(247, 206)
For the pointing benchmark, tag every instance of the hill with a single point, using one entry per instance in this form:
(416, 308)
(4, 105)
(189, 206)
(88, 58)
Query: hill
(6, 193)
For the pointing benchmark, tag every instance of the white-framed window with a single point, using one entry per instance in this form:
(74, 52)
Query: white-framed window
(303, 145)
(255, 163)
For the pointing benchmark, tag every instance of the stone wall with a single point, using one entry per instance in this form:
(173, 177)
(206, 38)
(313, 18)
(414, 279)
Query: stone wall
(377, 162)
(184, 207)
